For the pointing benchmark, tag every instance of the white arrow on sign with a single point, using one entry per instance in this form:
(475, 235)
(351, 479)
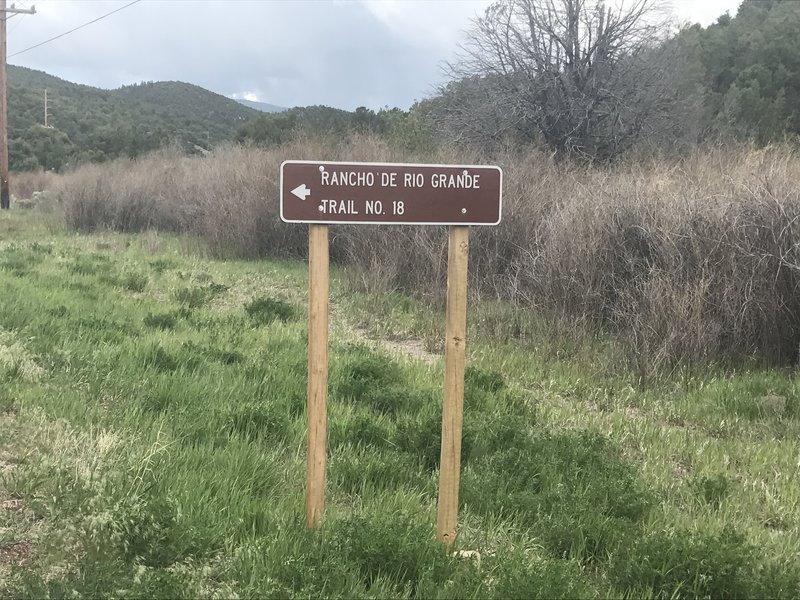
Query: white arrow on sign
(301, 191)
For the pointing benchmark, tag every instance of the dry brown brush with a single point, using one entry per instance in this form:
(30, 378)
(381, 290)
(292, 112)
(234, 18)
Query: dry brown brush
(687, 262)
(24, 184)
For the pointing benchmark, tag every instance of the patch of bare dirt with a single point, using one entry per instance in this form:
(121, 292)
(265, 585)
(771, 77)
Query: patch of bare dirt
(15, 554)
(682, 468)
(414, 349)
(13, 505)
(772, 404)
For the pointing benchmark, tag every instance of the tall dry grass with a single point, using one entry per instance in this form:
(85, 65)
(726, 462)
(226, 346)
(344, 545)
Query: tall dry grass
(687, 262)
(23, 184)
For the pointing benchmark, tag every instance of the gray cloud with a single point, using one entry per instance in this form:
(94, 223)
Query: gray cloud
(343, 54)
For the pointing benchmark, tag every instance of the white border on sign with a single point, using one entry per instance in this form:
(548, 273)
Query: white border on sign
(378, 164)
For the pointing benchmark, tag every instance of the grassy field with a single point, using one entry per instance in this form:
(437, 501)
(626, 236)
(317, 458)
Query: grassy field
(153, 436)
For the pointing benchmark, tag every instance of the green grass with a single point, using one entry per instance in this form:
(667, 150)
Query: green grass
(152, 406)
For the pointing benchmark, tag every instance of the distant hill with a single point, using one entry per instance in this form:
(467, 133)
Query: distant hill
(88, 123)
(263, 106)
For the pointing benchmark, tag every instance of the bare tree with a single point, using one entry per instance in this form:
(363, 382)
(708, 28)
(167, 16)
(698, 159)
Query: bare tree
(587, 77)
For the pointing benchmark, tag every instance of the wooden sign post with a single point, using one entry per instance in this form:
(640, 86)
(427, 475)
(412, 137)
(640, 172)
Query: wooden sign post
(317, 457)
(320, 193)
(453, 405)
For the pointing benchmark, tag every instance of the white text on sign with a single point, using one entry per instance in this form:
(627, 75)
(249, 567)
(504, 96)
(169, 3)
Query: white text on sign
(464, 180)
(370, 207)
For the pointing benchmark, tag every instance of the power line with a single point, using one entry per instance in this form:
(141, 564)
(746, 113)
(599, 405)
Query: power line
(22, 16)
(10, 31)
(75, 29)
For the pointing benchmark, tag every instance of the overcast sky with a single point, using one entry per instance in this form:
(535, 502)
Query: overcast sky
(339, 53)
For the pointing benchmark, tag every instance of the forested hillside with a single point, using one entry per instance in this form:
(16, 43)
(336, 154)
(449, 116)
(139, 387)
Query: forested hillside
(751, 66)
(91, 124)
(87, 124)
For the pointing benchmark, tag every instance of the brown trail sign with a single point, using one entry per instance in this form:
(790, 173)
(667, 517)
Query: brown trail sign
(320, 193)
(333, 192)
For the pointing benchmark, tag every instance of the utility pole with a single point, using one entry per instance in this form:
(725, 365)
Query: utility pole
(45, 109)
(5, 14)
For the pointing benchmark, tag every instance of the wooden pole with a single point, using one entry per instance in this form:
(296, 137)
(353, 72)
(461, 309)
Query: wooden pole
(5, 198)
(453, 404)
(5, 11)
(317, 457)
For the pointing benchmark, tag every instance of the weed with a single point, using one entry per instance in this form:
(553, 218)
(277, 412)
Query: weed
(91, 264)
(492, 433)
(420, 435)
(196, 297)
(7, 402)
(360, 428)
(711, 490)
(263, 311)
(39, 248)
(134, 281)
(395, 399)
(161, 265)
(215, 288)
(160, 321)
(156, 357)
(226, 357)
(58, 311)
(364, 373)
(193, 297)
(488, 381)
(104, 329)
(21, 261)
(258, 422)
(363, 470)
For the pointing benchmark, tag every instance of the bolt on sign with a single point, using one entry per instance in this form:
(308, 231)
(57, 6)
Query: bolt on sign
(323, 193)
(331, 192)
